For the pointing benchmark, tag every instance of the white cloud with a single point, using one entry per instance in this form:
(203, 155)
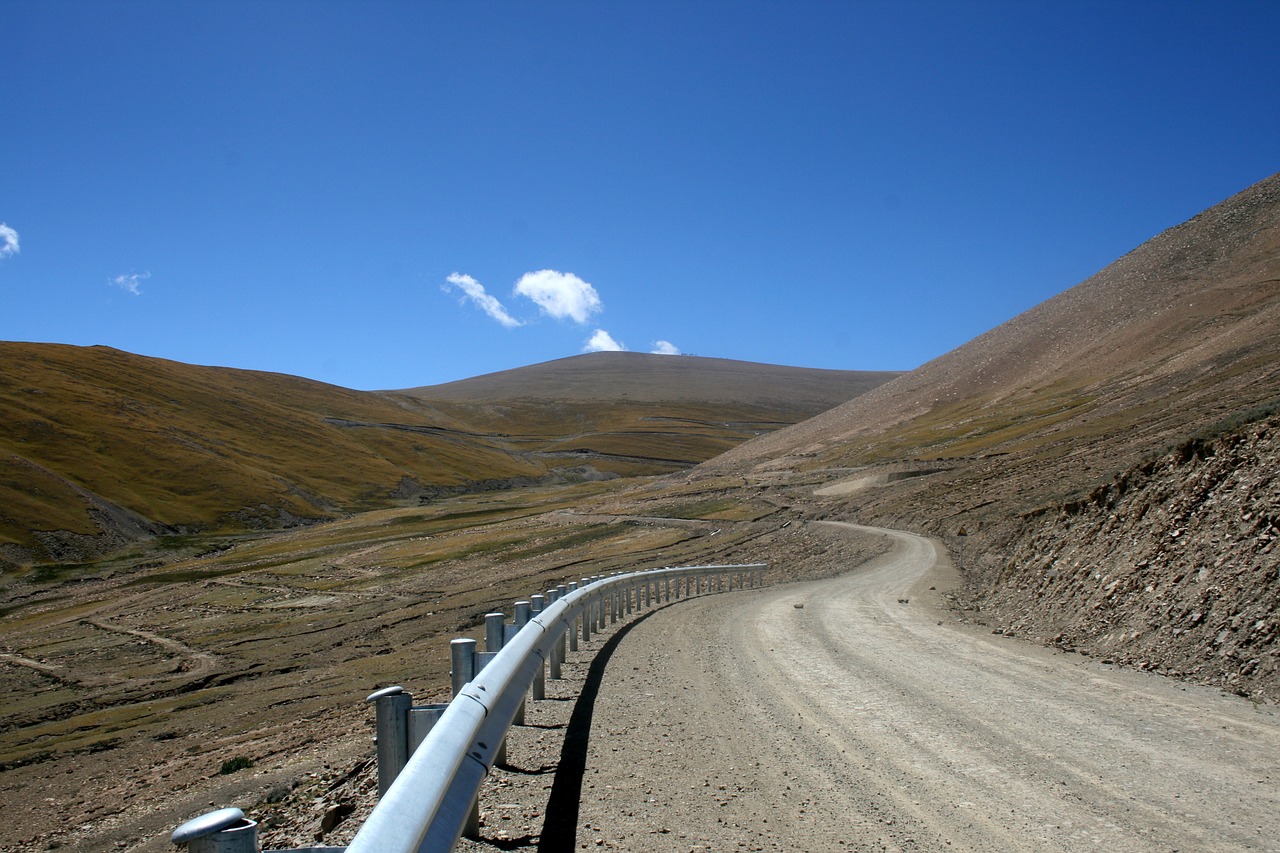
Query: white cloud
(560, 294)
(8, 241)
(487, 303)
(664, 348)
(602, 341)
(129, 283)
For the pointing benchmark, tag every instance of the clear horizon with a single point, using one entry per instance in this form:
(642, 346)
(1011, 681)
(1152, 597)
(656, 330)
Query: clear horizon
(391, 195)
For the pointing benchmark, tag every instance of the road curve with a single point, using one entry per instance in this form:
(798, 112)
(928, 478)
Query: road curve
(831, 715)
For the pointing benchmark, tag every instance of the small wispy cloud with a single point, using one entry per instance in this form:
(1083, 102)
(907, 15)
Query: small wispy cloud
(602, 341)
(8, 241)
(561, 295)
(664, 348)
(487, 302)
(130, 282)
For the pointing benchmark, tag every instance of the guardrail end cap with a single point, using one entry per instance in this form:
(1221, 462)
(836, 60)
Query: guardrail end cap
(394, 690)
(207, 824)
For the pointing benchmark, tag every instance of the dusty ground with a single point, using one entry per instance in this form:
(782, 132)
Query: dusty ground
(854, 714)
(125, 689)
(1172, 567)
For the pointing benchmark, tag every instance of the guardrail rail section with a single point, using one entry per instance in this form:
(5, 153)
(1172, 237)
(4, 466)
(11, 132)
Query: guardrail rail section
(432, 759)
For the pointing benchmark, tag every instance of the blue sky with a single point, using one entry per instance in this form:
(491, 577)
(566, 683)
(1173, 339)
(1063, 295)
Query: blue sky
(385, 195)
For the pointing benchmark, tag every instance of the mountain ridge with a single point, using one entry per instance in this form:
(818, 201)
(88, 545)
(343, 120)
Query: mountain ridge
(658, 378)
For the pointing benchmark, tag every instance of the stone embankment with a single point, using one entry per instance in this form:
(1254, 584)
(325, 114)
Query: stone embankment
(1173, 567)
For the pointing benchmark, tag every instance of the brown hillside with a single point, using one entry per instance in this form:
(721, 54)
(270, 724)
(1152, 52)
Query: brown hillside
(99, 447)
(1174, 335)
(636, 413)
(1034, 438)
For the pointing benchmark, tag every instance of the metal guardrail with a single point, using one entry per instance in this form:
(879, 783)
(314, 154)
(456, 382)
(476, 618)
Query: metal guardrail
(433, 759)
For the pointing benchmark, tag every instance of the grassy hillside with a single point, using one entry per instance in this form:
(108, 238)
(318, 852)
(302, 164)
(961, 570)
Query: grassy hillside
(94, 441)
(99, 447)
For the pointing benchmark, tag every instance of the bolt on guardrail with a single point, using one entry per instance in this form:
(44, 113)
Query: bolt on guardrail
(425, 805)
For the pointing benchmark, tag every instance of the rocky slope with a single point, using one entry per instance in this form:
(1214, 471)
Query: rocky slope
(1172, 567)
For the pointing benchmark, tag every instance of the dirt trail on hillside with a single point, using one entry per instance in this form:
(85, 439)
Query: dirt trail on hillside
(854, 714)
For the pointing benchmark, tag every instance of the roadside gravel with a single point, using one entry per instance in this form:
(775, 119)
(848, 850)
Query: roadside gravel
(855, 713)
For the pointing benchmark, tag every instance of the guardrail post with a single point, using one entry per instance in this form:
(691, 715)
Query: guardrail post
(539, 690)
(557, 648)
(462, 656)
(523, 612)
(667, 583)
(482, 660)
(572, 623)
(494, 631)
(391, 706)
(222, 831)
(421, 720)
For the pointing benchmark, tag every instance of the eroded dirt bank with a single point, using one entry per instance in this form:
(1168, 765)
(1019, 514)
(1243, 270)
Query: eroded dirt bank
(1172, 567)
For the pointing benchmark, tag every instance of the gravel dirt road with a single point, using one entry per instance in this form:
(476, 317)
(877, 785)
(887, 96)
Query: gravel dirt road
(856, 713)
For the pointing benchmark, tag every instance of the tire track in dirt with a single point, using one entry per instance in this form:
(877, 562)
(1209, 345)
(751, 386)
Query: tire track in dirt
(202, 663)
